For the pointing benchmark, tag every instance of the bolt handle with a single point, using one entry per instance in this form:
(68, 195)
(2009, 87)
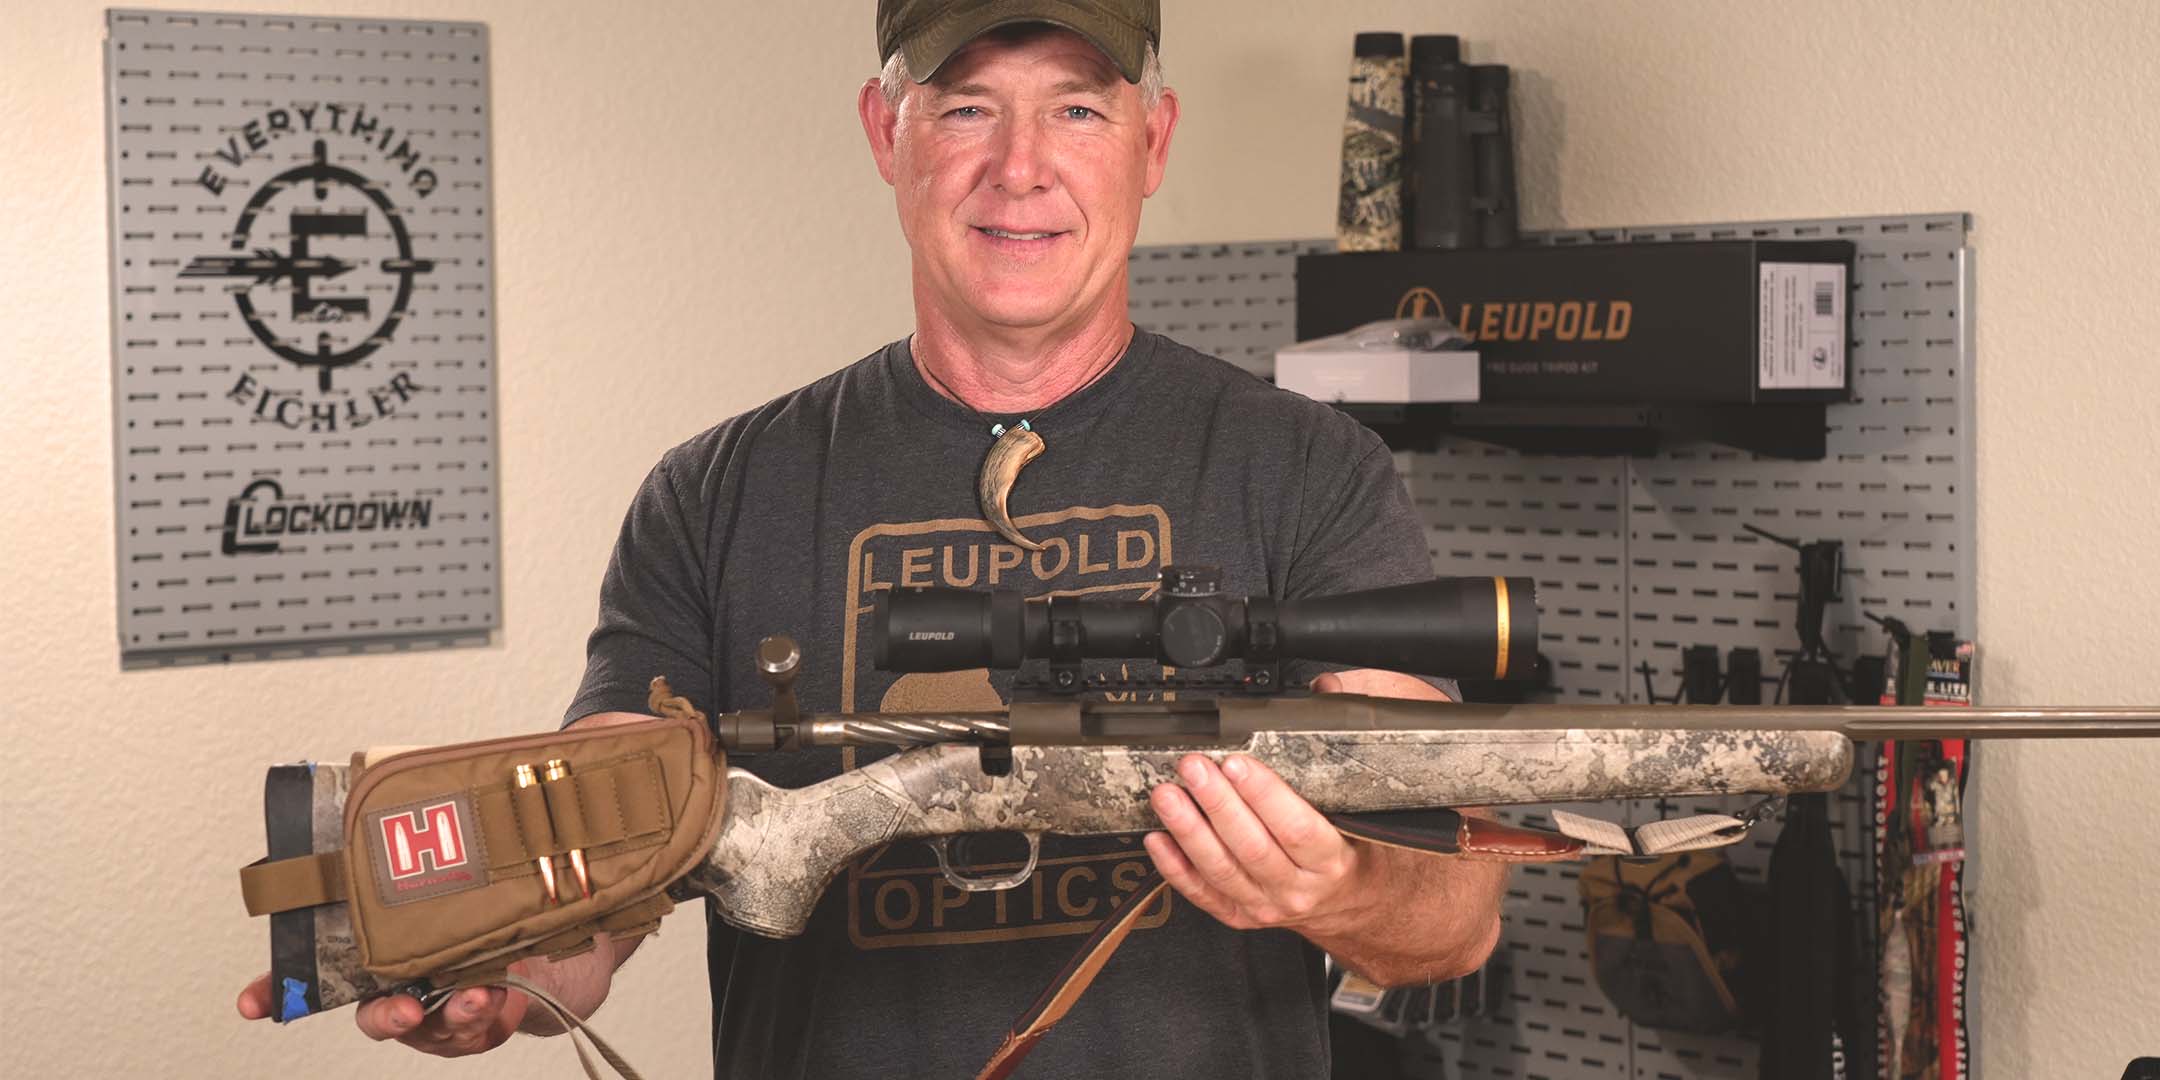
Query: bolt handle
(779, 661)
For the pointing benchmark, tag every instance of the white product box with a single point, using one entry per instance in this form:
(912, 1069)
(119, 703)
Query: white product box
(1387, 376)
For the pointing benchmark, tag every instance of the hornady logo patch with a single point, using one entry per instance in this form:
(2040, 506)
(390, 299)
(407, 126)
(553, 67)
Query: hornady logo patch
(426, 849)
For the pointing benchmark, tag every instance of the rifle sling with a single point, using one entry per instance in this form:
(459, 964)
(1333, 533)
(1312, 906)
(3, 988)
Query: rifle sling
(1450, 832)
(1434, 832)
(1072, 981)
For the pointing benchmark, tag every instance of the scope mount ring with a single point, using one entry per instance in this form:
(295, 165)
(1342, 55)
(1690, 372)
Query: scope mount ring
(943, 846)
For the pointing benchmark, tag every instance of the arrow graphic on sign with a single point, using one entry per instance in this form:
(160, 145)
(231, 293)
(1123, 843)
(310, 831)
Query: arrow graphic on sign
(265, 266)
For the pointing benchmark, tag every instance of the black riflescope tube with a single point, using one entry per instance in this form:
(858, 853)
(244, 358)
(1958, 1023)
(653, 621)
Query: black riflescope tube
(1476, 628)
(1493, 152)
(1437, 164)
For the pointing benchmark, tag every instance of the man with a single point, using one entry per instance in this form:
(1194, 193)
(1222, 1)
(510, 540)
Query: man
(1020, 140)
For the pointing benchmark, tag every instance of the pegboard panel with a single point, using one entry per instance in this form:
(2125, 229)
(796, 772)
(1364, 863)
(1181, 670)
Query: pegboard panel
(1241, 299)
(1639, 557)
(1559, 520)
(303, 337)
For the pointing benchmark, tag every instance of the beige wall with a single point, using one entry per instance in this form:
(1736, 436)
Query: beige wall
(624, 143)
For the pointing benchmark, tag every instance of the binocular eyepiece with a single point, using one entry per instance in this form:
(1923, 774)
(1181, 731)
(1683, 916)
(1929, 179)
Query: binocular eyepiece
(1471, 628)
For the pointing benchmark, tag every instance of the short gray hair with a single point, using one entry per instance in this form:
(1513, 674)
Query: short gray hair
(893, 81)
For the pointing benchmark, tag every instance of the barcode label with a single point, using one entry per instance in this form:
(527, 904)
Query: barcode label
(1802, 321)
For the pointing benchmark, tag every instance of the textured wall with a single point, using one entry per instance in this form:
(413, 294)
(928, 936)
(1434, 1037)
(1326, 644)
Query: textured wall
(680, 239)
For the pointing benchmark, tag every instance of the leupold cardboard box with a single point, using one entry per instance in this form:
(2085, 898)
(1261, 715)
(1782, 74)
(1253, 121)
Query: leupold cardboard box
(1722, 321)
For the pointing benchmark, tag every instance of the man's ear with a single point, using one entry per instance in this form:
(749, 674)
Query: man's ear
(878, 121)
(1161, 124)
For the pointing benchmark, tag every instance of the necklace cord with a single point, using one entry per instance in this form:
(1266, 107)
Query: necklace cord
(1027, 423)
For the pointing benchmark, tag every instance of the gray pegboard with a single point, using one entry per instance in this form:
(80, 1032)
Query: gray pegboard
(1240, 300)
(303, 335)
(1636, 558)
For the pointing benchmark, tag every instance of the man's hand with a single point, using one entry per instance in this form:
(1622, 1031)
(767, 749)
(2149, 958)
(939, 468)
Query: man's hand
(474, 1020)
(479, 1019)
(1251, 852)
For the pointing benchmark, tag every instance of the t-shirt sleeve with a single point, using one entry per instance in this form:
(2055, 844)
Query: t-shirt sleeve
(655, 616)
(1358, 529)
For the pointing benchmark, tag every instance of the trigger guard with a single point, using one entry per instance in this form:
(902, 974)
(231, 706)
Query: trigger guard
(942, 845)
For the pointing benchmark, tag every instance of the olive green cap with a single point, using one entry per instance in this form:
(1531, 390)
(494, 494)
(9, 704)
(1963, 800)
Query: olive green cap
(930, 31)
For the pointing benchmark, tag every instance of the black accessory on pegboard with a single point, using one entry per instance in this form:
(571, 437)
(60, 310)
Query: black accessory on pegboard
(1702, 682)
(1815, 1025)
(1743, 676)
(1821, 563)
(1811, 676)
(1869, 678)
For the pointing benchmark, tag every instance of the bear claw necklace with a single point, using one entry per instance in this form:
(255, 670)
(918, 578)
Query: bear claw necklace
(1013, 447)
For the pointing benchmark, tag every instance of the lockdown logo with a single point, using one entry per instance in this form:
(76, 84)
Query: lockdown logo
(259, 518)
(320, 263)
(897, 896)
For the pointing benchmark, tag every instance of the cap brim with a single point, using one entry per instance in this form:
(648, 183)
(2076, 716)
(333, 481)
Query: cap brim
(927, 50)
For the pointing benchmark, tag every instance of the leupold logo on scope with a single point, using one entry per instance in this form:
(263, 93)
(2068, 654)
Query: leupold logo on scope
(319, 263)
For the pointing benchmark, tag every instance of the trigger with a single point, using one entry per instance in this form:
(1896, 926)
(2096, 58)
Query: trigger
(987, 883)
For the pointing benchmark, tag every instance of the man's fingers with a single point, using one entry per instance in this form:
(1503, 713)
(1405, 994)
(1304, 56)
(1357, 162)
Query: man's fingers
(1375, 683)
(1176, 869)
(1242, 833)
(475, 1006)
(1202, 849)
(391, 1016)
(1294, 827)
(254, 1001)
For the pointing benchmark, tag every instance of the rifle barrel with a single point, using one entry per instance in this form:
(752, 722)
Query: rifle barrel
(1231, 719)
(1852, 721)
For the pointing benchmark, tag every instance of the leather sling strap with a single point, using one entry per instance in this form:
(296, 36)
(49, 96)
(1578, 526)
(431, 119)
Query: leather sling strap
(1433, 832)
(1449, 832)
(1072, 981)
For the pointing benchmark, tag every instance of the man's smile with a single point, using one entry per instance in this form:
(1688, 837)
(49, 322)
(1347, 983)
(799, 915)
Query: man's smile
(1012, 241)
(998, 233)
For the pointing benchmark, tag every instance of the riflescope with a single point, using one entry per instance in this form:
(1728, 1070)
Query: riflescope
(1474, 628)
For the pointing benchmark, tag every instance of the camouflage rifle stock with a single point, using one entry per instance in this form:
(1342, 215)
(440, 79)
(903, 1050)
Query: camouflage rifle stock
(1049, 767)
(418, 870)
(1088, 771)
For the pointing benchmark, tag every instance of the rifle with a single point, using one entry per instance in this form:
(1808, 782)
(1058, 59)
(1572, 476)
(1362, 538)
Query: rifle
(426, 871)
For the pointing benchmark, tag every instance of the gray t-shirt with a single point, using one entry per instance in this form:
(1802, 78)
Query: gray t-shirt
(788, 518)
